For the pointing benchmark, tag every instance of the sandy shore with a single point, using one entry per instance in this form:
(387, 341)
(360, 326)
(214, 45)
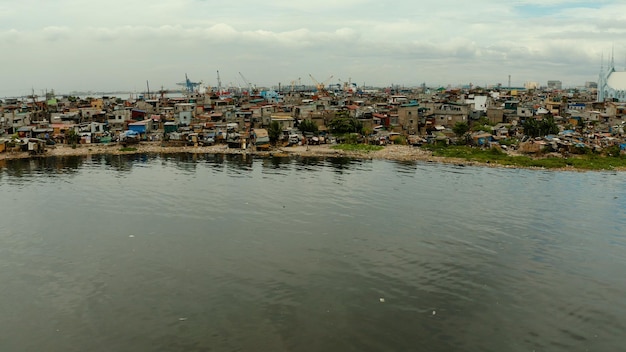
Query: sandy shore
(390, 152)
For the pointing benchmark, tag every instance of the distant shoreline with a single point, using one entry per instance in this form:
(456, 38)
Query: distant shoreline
(390, 152)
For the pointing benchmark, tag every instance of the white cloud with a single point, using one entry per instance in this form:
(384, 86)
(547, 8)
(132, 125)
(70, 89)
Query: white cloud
(371, 41)
(54, 33)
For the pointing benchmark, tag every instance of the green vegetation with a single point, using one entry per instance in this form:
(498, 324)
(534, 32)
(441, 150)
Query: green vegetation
(496, 156)
(482, 124)
(72, 137)
(401, 140)
(357, 147)
(536, 128)
(349, 138)
(128, 149)
(308, 126)
(342, 124)
(460, 128)
(274, 131)
(509, 141)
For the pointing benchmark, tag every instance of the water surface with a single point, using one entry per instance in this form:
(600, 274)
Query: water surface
(234, 253)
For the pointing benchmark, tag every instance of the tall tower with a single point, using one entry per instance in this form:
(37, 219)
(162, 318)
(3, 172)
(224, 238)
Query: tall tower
(600, 94)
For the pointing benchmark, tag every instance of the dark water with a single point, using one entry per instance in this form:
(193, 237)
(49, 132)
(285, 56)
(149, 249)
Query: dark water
(226, 253)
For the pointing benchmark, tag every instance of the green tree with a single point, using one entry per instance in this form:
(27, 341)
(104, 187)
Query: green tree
(482, 124)
(274, 131)
(308, 126)
(536, 128)
(460, 128)
(549, 126)
(484, 121)
(72, 137)
(531, 127)
(342, 125)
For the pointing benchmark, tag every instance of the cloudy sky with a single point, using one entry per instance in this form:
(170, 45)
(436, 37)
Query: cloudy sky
(75, 45)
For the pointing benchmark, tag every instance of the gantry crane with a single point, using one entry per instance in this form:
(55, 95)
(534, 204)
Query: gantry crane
(190, 86)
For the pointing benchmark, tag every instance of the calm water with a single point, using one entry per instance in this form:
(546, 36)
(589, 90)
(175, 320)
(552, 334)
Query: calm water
(224, 253)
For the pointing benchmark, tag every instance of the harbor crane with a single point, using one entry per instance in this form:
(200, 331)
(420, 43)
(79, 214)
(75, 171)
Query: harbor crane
(321, 87)
(346, 87)
(293, 84)
(251, 89)
(190, 86)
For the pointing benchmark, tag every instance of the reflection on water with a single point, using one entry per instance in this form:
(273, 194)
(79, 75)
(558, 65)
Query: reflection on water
(231, 252)
(341, 164)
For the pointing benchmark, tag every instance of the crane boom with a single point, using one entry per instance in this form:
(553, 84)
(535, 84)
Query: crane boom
(314, 80)
(188, 84)
(321, 87)
(250, 87)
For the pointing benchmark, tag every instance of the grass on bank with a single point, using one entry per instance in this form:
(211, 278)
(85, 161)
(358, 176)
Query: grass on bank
(496, 156)
(357, 147)
(128, 149)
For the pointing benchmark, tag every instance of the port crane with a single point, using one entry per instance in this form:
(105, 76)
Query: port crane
(251, 89)
(346, 87)
(190, 86)
(293, 84)
(321, 87)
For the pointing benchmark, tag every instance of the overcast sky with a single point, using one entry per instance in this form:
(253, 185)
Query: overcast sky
(73, 45)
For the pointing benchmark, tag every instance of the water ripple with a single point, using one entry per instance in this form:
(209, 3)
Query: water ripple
(237, 253)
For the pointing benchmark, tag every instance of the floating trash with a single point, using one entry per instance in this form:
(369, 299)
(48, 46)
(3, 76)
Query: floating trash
(382, 300)
(434, 312)
(131, 236)
(182, 319)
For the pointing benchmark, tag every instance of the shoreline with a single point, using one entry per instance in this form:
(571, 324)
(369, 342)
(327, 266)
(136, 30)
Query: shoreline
(389, 152)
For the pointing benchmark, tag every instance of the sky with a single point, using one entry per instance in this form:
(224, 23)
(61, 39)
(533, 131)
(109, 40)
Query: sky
(115, 45)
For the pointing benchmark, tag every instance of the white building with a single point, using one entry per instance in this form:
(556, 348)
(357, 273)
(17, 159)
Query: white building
(612, 84)
(477, 102)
